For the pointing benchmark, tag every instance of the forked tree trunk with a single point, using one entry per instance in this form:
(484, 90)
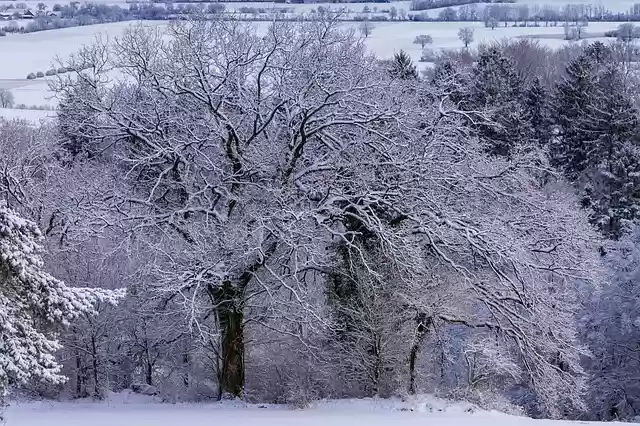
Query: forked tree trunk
(231, 320)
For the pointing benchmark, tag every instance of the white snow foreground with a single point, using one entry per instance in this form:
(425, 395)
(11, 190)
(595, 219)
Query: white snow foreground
(127, 409)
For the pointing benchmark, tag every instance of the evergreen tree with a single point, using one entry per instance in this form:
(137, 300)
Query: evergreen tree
(537, 103)
(32, 302)
(573, 94)
(614, 155)
(497, 89)
(598, 143)
(599, 53)
(75, 140)
(403, 67)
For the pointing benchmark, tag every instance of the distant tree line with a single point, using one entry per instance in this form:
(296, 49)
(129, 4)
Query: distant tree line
(74, 14)
(524, 15)
(437, 4)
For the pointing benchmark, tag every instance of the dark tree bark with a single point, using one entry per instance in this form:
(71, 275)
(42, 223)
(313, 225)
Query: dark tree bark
(149, 374)
(231, 319)
(79, 377)
(228, 301)
(423, 324)
(94, 361)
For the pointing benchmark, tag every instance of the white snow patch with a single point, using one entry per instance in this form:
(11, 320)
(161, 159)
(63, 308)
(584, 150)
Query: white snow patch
(127, 409)
(32, 115)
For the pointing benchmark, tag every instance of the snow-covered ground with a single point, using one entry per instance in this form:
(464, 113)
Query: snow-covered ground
(131, 410)
(33, 115)
(613, 5)
(26, 53)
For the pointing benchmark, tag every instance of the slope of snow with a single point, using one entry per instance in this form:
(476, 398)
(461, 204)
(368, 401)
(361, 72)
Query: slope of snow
(25, 53)
(32, 115)
(132, 410)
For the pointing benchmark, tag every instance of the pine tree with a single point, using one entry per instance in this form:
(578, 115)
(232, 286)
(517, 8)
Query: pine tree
(32, 303)
(537, 102)
(614, 152)
(598, 143)
(75, 141)
(573, 95)
(498, 89)
(403, 67)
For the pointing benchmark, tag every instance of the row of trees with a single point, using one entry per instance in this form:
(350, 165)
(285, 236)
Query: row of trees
(438, 4)
(587, 117)
(494, 15)
(293, 218)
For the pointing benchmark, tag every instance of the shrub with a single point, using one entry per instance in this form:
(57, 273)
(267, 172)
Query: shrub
(3, 33)
(31, 76)
(62, 70)
(50, 72)
(428, 55)
(39, 74)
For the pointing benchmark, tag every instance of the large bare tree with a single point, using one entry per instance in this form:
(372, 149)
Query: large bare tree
(258, 166)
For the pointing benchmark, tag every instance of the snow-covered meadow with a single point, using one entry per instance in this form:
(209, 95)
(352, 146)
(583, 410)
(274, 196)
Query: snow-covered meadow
(133, 410)
(39, 51)
(614, 5)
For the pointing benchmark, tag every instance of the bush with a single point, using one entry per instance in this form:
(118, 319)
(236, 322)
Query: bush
(50, 72)
(62, 70)
(39, 74)
(31, 76)
(3, 33)
(428, 55)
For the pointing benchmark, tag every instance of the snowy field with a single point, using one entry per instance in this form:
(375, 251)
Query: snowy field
(120, 411)
(613, 5)
(33, 52)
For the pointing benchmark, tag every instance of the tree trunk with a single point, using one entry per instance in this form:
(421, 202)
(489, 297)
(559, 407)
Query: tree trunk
(377, 364)
(149, 374)
(231, 320)
(79, 379)
(94, 358)
(186, 361)
(423, 323)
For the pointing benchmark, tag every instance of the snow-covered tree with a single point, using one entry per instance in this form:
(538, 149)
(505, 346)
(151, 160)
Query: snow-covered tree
(33, 303)
(423, 40)
(401, 66)
(496, 88)
(539, 110)
(255, 167)
(466, 36)
(598, 144)
(612, 329)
